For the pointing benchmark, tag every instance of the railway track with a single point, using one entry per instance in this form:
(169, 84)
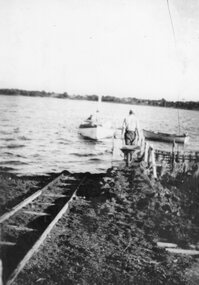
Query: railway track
(25, 227)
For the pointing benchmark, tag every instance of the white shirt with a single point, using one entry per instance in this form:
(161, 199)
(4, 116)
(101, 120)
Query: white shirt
(130, 123)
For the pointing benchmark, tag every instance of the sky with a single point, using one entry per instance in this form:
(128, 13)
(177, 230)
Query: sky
(122, 48)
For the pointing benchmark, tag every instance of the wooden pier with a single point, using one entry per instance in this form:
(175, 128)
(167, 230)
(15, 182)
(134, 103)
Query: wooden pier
(155, 158)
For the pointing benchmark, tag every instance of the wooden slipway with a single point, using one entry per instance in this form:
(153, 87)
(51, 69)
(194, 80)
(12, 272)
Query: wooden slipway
(35, 216)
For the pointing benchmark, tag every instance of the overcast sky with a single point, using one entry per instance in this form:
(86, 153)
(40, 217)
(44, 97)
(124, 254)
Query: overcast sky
(108, 47)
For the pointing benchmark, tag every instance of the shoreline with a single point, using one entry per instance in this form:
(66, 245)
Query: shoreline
(112, 229)
(181, 105)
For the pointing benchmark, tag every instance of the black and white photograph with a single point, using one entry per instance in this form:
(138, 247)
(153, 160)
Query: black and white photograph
(99, 142)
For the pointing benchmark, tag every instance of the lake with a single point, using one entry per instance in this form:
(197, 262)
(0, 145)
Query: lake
(40, 135)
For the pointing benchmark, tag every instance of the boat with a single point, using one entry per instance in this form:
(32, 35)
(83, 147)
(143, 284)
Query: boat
(93, 129)
(165, 137)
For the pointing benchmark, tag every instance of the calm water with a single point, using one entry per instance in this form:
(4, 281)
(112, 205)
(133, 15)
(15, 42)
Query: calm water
(40, 135)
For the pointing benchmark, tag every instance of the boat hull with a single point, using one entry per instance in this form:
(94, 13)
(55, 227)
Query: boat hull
(95, 132)
(164, 137)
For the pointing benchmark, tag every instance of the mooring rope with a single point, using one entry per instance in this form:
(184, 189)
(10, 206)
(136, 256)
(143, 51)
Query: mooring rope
(172, 25)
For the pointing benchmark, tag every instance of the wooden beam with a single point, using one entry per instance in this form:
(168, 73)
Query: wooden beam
(7, 243)
(166, 244)
(153, 163)
(55, 195)
(19, 228)
(36, 213)
(183, 251)
(1, 273)
(45, 203)
(146, 152)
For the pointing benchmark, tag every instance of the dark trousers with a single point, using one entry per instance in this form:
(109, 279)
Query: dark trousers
(129, 137)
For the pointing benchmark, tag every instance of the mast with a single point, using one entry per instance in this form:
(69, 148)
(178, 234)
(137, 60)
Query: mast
(174, 36)
(99, 102)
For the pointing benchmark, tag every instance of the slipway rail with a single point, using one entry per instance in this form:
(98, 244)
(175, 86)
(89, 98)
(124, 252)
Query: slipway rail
(34, 218)
(28, 200)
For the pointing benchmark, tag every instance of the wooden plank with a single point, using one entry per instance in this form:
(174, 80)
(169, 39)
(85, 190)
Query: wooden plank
(68, 183)
(7, 243)
(1, 272)
(45, 203)
(19, 228)
(35, 213)
(166, 244)
(55, 195)
(183, 251)
(27, 201)
(68, 178)
(42, 238)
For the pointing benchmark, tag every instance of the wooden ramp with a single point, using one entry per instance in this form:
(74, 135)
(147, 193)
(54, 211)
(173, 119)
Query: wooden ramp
(26, 225)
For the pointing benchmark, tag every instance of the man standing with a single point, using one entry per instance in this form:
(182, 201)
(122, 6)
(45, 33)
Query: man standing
(130, 129)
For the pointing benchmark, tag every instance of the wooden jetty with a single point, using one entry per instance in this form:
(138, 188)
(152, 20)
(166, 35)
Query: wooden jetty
(155, 158)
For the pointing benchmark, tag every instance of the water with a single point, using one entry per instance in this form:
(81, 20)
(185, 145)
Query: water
(40, 135)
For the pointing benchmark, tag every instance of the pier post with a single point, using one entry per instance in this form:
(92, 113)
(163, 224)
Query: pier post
(146, 154)
(1, 272)
(173, 155)
(153, 162)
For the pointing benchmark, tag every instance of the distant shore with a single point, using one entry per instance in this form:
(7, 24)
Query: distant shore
(188, 105)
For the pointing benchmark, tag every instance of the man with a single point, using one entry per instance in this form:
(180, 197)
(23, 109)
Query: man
(94, 118)
(130, 129)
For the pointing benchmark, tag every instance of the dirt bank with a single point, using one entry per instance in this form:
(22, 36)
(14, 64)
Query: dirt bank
(110, 235)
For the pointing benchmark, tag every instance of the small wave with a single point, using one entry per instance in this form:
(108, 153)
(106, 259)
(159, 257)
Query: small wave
(5, 133)
(16, 130)
(13, 162)
(7, 139)
(63, 139)
(64, 143)
(85, 154)
(23, 138)
(15, 146)
(12, 154)
(95, 159)
(5, 120)
(4, 168)
(36, 155)
(82, 154)
(8, 153)
(20, 156)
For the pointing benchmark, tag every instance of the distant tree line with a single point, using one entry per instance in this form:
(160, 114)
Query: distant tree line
(190, 105)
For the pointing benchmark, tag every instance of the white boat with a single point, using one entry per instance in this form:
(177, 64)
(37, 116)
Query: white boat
(165, 137)
(95, 132)
(93, 129)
